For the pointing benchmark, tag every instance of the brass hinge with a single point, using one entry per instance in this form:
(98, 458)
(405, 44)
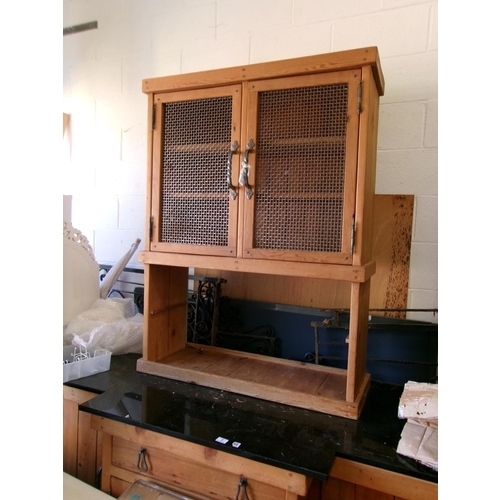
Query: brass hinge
(151, 222)
(153, 116)
(360, 93)
(353, 236)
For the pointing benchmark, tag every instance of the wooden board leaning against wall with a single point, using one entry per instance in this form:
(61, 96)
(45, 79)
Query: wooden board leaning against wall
(393, 219)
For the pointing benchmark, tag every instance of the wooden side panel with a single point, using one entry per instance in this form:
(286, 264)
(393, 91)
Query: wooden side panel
(165, 310)
(393, 219)
(80, 450)
(70, 436)
(87, 450)
(367, 160)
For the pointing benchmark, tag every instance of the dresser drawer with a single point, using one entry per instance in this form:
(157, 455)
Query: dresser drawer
(131, 453)
(160, 465)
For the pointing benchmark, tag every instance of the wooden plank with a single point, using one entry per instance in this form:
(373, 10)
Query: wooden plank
(356, 274)
(280, 375)
(385, 481)
(208, 457)
(392, 244)
(305, 385)
(291, 290)
(321, 63)
(155, 174)
(195, 359)
(332, 387)
(225, 366)
(306, 381)
(267, 359)
(252, 370)
(280, 395)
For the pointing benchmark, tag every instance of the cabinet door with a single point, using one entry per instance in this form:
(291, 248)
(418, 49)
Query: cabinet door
(302, 168)
(195, 163)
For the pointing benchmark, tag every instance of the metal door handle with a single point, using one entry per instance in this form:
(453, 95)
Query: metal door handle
(245, 167)
(232, 189)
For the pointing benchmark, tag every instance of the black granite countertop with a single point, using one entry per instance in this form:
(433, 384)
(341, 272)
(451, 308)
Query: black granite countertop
(292, 438)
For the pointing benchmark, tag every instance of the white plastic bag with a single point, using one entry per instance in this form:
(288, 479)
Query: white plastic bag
(113, 324)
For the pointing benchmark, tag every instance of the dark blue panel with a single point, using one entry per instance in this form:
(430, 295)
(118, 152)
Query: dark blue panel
(398, 350)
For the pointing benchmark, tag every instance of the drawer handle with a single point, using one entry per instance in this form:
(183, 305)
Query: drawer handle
(242, 485)
(232, 189)
(245, 167)
(142, 463)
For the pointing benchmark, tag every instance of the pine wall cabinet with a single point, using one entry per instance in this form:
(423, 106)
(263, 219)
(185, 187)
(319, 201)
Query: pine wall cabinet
(262, 169)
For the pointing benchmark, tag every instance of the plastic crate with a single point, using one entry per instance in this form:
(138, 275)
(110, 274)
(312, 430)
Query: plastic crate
(148, 491)
(73, 368)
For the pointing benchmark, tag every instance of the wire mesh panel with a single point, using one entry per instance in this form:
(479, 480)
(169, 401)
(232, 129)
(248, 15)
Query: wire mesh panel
(196, 141)
(301, 168)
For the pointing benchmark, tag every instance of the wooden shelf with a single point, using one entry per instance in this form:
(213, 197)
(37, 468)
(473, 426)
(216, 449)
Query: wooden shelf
(294, 383)
(341, 272)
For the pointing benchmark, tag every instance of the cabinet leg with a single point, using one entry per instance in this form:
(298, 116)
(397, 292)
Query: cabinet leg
(358, 339)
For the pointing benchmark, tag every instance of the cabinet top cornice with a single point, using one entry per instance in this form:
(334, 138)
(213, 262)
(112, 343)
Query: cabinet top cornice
(333, 61)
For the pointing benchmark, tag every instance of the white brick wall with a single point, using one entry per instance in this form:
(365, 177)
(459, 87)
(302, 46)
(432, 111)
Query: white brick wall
(103, 70)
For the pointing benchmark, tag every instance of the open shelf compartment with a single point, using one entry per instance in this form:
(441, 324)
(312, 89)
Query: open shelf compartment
(167, 354)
